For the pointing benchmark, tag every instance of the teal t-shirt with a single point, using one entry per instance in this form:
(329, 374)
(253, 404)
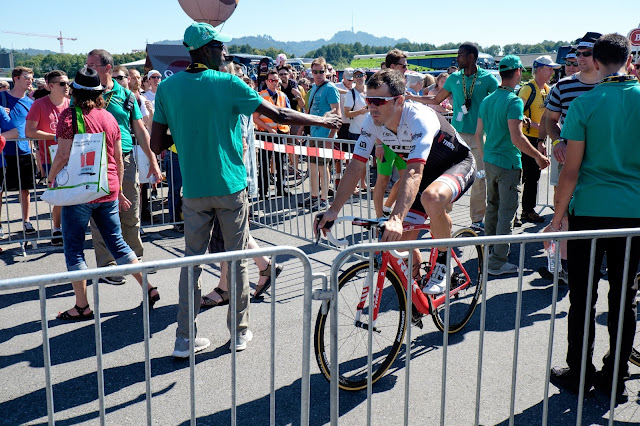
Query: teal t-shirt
(607, 119)
(495, 111)
(116, 99)
(320, 99)
(485, 83)
(203, 111)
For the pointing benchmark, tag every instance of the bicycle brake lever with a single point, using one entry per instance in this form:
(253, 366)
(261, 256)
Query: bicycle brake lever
(328, 225)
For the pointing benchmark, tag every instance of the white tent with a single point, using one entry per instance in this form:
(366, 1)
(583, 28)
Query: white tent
(139, 63)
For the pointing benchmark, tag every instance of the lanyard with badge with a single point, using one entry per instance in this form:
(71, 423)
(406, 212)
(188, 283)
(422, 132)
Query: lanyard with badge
(196, 67)
(467, 97)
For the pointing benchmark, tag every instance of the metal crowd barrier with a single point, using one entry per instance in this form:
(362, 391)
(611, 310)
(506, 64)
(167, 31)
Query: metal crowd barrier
(277, 205)
(283, 184)
(42, 281)
(522, 239)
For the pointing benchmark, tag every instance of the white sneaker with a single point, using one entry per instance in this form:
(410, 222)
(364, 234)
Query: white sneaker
(181, 348)
(438, 280)
(242, 339)
(506, 268)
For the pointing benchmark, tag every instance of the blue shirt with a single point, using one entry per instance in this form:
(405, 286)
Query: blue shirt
(320, 100)
(19, 109)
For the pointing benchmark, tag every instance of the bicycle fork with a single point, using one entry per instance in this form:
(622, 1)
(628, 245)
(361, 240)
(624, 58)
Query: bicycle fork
(379, 275)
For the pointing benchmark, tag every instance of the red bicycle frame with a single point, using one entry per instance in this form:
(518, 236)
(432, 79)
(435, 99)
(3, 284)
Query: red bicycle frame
(423, 302)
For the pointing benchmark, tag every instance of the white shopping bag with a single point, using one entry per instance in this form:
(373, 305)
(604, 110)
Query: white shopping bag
(142, 163)
(84, 178)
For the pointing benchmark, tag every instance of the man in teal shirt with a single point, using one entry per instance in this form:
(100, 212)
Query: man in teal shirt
(469, 87)
(599, 186)
(500, 118)
(129, 118)
(201, 107)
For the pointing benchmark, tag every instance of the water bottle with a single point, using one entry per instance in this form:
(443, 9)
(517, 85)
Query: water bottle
(551, 256)
(480, 174)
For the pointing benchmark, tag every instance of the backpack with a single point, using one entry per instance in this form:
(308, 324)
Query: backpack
(530, 99)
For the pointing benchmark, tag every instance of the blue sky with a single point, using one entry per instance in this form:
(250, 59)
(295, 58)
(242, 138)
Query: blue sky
(130, 24)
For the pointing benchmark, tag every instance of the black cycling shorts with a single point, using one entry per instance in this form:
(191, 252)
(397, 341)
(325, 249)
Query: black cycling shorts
(457, 175)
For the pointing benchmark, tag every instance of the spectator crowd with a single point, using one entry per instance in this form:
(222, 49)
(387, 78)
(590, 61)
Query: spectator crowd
(581, 119)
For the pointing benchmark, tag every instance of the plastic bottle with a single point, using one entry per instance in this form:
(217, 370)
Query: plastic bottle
(551, 256)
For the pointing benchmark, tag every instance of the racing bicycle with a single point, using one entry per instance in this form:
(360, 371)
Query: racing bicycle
(387, 317)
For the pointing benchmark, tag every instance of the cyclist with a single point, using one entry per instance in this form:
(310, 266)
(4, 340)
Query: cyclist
(440, 166)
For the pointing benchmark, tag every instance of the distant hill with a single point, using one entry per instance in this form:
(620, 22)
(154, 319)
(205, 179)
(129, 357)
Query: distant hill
(300, 48)
(30, 52)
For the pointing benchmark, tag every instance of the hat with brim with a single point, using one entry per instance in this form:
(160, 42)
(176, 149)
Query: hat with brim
(588, 40)
(545, 61)
(200, 33)
(571, 54)
(348, 73)
(510, 62)
(87, 79)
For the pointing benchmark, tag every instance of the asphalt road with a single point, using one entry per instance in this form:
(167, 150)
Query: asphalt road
(22, 394)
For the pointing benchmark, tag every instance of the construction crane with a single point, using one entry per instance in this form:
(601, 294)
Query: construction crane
(46, 35)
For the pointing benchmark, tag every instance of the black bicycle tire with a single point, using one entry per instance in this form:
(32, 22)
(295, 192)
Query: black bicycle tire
(321, 348)
(435, 313)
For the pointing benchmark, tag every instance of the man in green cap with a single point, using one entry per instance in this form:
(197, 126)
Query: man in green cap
(201, 108)
(500, 118)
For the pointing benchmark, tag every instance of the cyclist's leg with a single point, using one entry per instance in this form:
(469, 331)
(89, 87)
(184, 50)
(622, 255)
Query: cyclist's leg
(445, 188)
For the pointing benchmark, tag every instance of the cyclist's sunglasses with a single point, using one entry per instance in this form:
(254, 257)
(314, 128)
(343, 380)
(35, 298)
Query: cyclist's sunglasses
(379, 100)
(586, 53)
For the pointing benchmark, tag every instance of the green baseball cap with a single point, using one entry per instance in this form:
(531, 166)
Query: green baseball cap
(510, 62)
(200, 33)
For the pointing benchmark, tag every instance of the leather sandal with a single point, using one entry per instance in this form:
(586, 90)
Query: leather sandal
(260, 289)
(153, 299)
(207, 302)
(66, 316)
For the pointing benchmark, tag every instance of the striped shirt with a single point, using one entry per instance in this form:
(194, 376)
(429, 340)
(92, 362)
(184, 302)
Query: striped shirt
(564, 92)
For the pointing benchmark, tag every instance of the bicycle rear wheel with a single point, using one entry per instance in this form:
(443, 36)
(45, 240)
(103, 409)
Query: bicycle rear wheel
(465, 292)
(353, 332)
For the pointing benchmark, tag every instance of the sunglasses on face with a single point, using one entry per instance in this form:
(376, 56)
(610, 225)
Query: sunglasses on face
(271, 80)
(585, 54)
(121, 77)
(317, 71)
(153, 77)
(571, 64)
(358, 75)
(379, 100)
(61, 83)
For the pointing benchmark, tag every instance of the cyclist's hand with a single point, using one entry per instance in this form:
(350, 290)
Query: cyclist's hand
(324, 221)
(392, 230)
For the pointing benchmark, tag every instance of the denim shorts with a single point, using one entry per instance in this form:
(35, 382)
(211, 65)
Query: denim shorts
(74, 226)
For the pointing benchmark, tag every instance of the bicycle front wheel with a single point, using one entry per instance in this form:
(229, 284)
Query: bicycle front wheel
(635, 350)
(388, 331)
(466, 285)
